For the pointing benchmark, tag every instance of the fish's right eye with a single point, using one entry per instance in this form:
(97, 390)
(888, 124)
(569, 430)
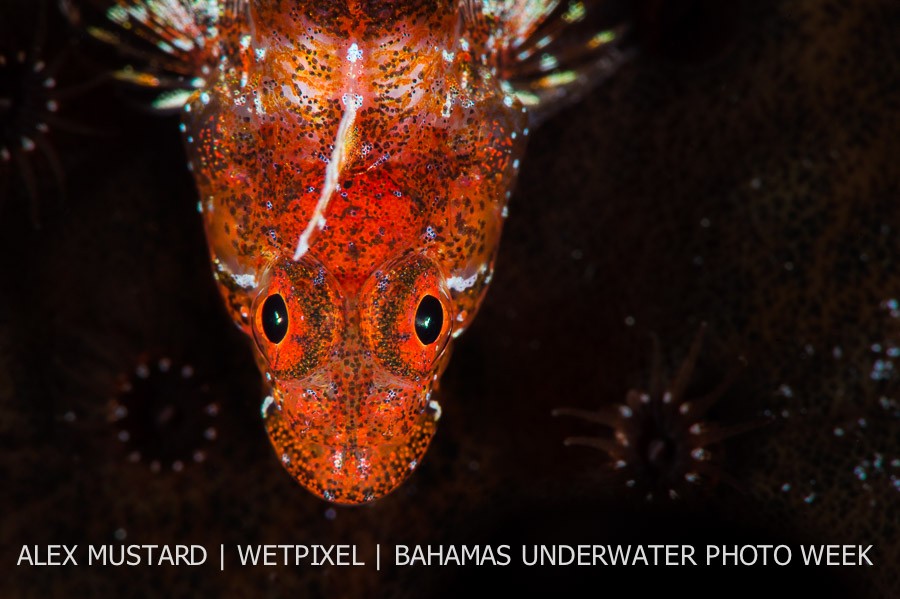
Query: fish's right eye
(297, 317)
(275, 318)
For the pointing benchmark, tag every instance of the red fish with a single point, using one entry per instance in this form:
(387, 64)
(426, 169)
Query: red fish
(353, 162)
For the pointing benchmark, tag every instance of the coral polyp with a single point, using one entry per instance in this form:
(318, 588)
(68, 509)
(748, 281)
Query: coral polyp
(26, 103)
(31, 99)
(659, 442)
(164, 416)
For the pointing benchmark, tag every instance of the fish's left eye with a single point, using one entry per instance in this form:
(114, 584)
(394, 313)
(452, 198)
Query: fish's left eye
(429, 319)
(406, 315)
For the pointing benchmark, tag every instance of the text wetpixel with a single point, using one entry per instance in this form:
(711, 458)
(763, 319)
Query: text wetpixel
(298, 555)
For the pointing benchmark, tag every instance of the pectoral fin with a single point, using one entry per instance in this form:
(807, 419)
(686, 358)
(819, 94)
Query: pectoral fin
(171, 45)
(549, 53)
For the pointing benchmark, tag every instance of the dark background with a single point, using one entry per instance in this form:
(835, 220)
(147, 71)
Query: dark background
(741, 170)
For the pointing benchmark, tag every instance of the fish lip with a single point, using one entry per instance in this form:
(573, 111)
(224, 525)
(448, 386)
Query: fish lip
(344, 484)
(345, 467)
(349, 454)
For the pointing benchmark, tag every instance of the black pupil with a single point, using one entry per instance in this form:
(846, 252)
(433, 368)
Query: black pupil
(275, 318)
(429, 319)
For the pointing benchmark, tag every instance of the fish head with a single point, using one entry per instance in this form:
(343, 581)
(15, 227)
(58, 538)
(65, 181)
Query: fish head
(352, 405)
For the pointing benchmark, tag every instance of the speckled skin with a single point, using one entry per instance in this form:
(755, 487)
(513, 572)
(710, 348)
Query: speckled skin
(410, 147)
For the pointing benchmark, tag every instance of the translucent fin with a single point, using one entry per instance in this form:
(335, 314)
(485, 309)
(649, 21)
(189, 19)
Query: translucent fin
(171, 45)
(514, 19)
(550, 51)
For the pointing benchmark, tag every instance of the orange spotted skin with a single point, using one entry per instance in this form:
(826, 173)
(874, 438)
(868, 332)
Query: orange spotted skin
(353, 158)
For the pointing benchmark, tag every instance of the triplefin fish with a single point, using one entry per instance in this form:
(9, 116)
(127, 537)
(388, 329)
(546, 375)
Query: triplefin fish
(353, 162)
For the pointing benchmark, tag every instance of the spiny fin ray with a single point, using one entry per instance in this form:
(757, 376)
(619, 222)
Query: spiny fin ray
(550, 52)
(170, 44)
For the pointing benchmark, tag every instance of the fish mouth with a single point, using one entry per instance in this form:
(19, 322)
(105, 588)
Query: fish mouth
(348, 464)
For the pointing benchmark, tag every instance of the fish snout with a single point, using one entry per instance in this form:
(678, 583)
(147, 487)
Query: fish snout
(351, 447)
